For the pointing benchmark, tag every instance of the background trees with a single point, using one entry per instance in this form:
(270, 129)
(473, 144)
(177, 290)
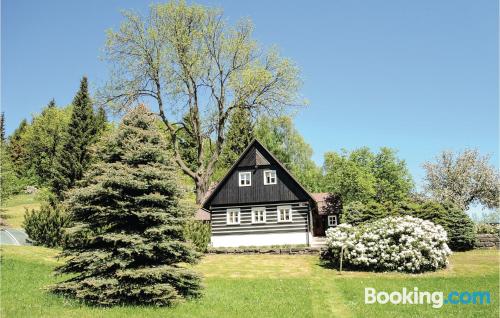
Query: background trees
(363, 176)
(188, 60)
(127, 210)
(81, 133)
(464, 178)
(285, 142)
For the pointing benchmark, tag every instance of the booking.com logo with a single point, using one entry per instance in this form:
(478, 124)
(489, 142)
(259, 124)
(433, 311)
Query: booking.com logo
(416, 297)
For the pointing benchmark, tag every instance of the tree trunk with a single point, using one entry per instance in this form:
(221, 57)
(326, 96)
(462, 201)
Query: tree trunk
(201, 189)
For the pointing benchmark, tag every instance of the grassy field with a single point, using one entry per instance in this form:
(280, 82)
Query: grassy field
(259, 286)
(14, 208)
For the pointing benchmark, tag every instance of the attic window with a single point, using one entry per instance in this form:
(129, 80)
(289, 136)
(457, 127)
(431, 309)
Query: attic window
(245, 179)
(269, 177)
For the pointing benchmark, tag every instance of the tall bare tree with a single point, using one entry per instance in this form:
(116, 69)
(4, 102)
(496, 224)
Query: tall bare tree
(464, 178)
(186, 59)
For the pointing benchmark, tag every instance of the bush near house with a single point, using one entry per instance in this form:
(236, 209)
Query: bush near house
(457, 223)
(484, 228)
(404, 244)
(46, 226)
(198, 233)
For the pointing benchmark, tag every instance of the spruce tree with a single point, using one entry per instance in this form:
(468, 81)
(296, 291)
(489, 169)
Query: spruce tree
(238, 137)
(127, 210)
(2, 128)
(75, 156)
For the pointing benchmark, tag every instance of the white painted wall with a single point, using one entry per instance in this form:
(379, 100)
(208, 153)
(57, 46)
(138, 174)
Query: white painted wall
(259, 239)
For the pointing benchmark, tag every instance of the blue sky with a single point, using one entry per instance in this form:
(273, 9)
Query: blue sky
(419, 76)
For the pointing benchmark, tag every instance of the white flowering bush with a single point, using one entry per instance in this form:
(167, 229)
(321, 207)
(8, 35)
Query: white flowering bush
(404, 244)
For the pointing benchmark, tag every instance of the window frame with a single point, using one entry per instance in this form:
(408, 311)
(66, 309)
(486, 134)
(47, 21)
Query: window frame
(334, 217)
(256, 209)
(240, 174)
(275, 177)
(290, 211)
(228, 212)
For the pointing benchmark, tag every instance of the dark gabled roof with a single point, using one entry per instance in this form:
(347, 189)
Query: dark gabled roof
(255, 159)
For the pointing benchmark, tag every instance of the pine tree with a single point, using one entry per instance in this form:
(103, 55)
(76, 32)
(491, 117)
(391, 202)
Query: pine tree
(238, 137)
(75, 155)
(127, 208)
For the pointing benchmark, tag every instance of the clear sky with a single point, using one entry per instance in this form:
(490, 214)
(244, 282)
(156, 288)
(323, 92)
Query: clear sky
(419, 76)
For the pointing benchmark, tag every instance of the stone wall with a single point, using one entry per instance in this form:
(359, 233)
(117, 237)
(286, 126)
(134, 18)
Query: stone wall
(277, 251)
(488, 241)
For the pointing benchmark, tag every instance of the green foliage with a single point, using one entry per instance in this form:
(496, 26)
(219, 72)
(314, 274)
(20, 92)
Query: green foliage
(190, 60)
(45, 227)
(456, 222)
(356, 213)
(198, 233)
(238, 137)
(285, 142)
(82, 133)
(2, 128)
(363, 176)
(9, 182)
(128, 243)
(17, 149)
(483, 228)
(44, 139)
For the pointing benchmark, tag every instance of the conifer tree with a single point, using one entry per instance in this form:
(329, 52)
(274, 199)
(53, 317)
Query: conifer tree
(238, 137)
(127, 208)
(2, 128)
(16, 149)
(75, 155)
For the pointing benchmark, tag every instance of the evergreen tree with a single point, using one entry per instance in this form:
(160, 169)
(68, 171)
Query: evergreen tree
(127, 208)
(75, 155)
(238, 137)
(16, 149)
(187, 144)
(2, 128)
(100, 119)
(52, 104)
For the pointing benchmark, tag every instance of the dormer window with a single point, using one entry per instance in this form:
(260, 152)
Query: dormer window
(245, 179)
(269, 177)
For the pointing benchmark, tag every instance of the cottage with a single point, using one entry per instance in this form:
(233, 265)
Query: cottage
(260, 203)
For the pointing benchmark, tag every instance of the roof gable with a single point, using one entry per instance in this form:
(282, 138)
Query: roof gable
(257, 158)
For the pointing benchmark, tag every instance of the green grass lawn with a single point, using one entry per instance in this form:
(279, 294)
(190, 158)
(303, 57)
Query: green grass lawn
(15, 207)
(259, 286)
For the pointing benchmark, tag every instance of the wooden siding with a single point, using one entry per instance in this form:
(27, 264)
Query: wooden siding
(284, 189)
(299, 223)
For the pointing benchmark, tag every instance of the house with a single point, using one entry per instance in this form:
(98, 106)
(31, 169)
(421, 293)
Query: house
(259, 202)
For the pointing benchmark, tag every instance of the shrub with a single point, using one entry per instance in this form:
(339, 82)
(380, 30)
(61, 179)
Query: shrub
(46, 226)
(457, 223)
(404, 244)
(199, 234)
(356, 213)
(484, 228)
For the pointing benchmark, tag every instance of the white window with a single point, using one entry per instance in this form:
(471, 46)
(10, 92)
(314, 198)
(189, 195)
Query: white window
(285, 213)
(259, 215)
(269, 176)
(332, 220)
(233, 216)
(245, 179)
